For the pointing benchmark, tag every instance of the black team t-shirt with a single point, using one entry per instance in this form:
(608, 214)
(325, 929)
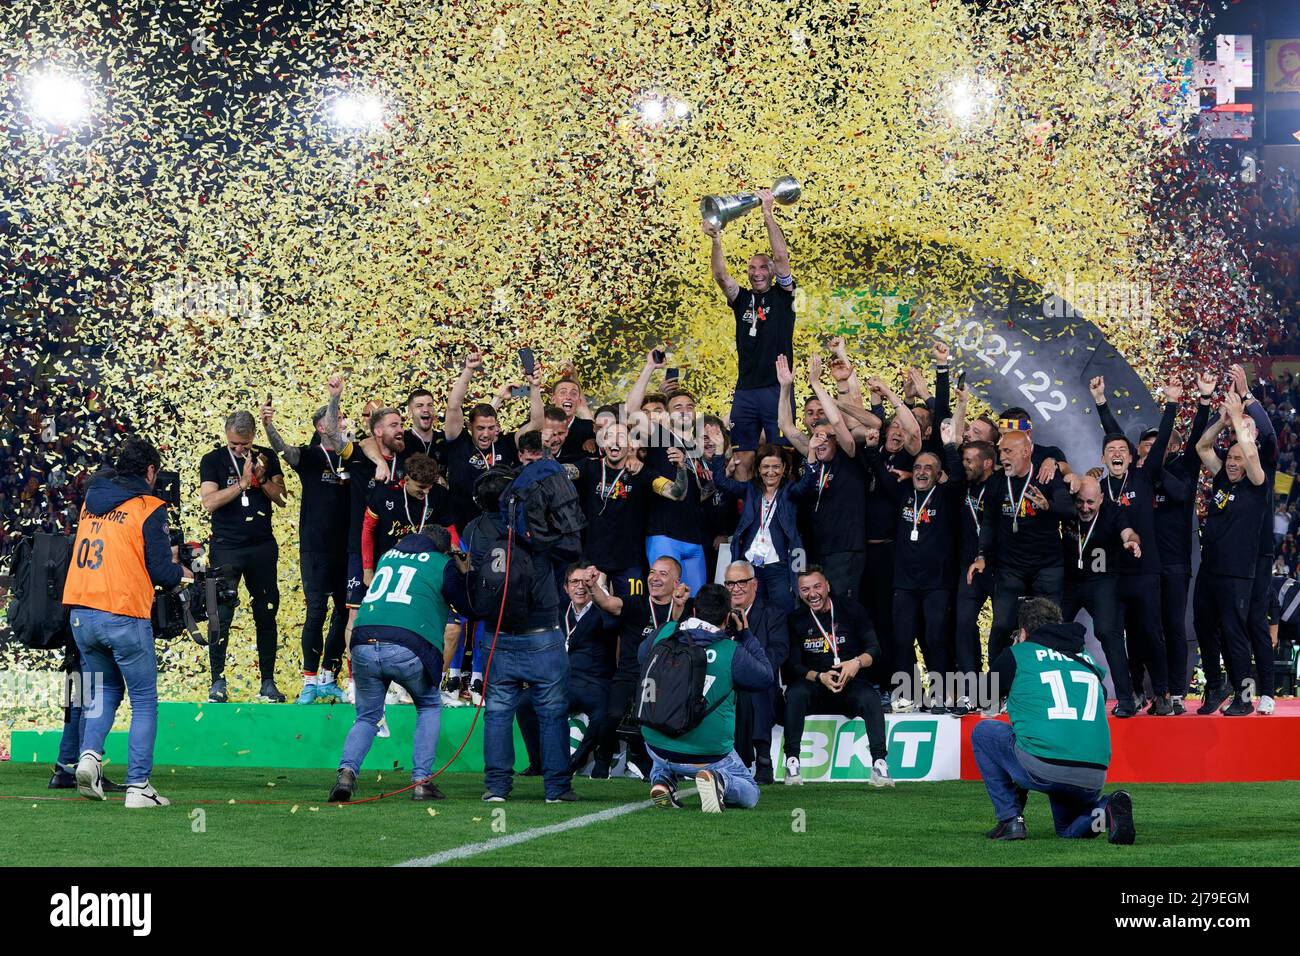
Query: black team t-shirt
(879, 502)
(851, 629)
(417, 445)
(834, 494)
(363, 482)
(581, 431)
(1230, 539)
(234, 524)
(397, 514)
(764, 330)
(681, 520)
(1095, 545)
(1023, 538)
(616, 504)
(465, 462)
(637, 621)
(324, 508)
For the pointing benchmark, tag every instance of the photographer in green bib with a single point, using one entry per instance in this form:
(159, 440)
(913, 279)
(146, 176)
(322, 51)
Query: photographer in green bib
(1058, 740)
(397, 638)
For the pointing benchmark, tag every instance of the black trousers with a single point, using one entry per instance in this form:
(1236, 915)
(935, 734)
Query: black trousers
(756, 715)
(1140, 612)
(843, 570)
(587, 695)
(622, 695)
(1009, 587)
(1220, 614)
(970, 601)
(1173, 621)
(857, 699)
(1261, 645)
(324, 578)
(1100, 598)
(876, 594)
(255, 565)
(929, 609)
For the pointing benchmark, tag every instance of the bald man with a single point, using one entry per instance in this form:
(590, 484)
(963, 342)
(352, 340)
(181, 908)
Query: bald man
(1021, 538)
(1091, 544)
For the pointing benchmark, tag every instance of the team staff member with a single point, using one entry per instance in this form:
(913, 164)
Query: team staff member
(927, 517)
(415, 502)
(590, 637)
(1058, 741)
(764, 329)
(976, 469)
(238, 482)
(398, 639)
(1092, 541)
(831, 643)
(756, 711)
(1022, 539)
(706, 752)
(640, 615)
(322, 542)
(1236, 507)
(120, 552)
(615, 493)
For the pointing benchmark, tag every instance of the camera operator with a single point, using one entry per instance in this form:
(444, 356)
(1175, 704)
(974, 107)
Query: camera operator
(121, 551)
(322, 541)
(238, 482)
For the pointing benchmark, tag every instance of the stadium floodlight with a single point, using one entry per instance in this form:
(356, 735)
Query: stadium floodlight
(658, 108)
(57, 99)
(653, 110)
(970, 99)
(358, 111)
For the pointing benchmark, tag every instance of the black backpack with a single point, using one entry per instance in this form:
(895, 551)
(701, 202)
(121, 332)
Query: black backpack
(489, 583)
(672, 684)
(36, 613)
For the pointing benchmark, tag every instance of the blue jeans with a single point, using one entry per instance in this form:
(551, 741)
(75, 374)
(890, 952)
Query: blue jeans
(695, 570)
(119, 650)
(1006, 780)
(540, 661)
(741, 790)
(374, 667)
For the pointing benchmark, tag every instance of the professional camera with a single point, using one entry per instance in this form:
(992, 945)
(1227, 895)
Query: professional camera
(179, 610)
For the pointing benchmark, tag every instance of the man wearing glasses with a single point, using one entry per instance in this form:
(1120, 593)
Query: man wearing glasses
(756, 711)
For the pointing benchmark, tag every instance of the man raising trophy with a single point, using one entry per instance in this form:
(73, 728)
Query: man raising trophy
(764, 319)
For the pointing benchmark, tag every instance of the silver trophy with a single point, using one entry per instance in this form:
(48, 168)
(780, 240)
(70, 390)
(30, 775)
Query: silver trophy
(720, 210)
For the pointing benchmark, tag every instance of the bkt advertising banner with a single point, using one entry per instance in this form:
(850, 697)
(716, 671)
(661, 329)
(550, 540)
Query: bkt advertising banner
(836, 749)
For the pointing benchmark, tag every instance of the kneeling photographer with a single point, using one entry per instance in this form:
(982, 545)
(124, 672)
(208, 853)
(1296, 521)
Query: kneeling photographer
(122, 549)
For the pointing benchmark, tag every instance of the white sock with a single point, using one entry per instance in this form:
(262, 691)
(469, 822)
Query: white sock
(453, 673)
(477, 675)
(325, 677)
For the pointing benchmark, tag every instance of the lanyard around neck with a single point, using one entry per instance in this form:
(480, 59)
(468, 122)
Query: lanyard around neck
(828, 637)
(406, 503)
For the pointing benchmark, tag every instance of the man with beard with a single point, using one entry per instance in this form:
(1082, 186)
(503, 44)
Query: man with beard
(639, 616)
(615, 494)
(1092, 541)
(831, 644)
(976, 470)
(421, 437)
(1131, 487)
(390, 443)
(1237, 506)
(1023, 538)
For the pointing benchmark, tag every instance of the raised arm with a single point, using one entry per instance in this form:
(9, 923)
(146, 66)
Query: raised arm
(289, 453)
(942, 393)
(536, 408)
(842, 434)
(1205, 385)
(718, 263)
(903, 415)
(453, 419)
(1237, 414)
(1105, 417)
(784, 418)
(1205, 444)
(780, 251)
(1155, 460)
(611, 604)
(959, 416)
(636, 397)
(333, 423)
(847, 387)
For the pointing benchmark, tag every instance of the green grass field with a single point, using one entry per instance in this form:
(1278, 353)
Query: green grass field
(920, 824)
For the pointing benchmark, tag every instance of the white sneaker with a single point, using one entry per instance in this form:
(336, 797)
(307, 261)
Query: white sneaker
(382, 730)
(792, 778)
(403, 696)
(90, 776)
(903, 706)
(711, 790)
(880, 774)
(451, 698)
(350, 695)
(142, 795)
(632, 771)
(1266, 706)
